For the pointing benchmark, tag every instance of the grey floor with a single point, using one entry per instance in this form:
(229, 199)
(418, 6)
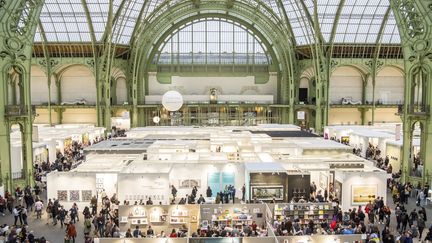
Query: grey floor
(55, 234)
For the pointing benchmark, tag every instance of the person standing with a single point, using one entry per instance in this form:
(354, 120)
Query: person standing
(17, 215)
(38, 208)
(421, 224)
(209, 192)
(2, 205)
(71, 231)
(87, 226)
(150, 231)
(61, 216)
(24, 215)
(243, 190)
(101, 224)
(73, 212)
(173, 191)
(137, 232)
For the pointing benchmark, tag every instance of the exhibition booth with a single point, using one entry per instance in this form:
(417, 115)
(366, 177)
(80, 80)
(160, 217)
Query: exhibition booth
(387, 137)
(187, 220)
(362, 138)
(394, 150)
(153, 160)
(182, 218)
(287, 239)
(48, 141)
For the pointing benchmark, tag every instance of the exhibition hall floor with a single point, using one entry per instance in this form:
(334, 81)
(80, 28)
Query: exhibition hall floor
(55, 234)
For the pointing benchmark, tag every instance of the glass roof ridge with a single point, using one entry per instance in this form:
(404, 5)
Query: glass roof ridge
(360, 20)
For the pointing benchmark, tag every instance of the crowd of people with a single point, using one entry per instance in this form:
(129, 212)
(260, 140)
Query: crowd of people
(102, 220)
(223, 197)
(243, 230)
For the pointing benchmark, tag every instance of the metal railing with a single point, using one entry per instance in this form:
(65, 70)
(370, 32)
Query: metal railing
(18, 110)
(418, 109)
(17, 175)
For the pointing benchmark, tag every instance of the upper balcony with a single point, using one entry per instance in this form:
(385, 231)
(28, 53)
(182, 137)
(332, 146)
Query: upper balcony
(19, 111)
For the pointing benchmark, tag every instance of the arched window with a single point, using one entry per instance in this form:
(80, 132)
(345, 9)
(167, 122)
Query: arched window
(213, 41)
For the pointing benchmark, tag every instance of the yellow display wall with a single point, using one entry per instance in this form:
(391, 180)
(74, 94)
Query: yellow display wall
(344, 116)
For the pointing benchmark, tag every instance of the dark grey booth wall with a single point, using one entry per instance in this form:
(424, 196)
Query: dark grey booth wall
(296, 182)
(268, 179)
(289, 183)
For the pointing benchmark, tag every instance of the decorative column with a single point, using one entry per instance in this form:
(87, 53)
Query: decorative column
(19, 21)
(415, 26)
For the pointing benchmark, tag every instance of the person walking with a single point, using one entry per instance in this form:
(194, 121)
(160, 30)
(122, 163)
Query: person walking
(173, 191)
(243, 190)
(62, 216)
(38, 208)
(421, 224)
(24, 215)
(17, 214)
(71, 232)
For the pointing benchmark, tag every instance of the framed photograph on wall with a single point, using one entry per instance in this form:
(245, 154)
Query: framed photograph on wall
(62, 195)
(183, 183)
(195, 182)
(74, 195)
(86, 195)
(267, 192)
(323, 180)
(189, 183)
(362, 194)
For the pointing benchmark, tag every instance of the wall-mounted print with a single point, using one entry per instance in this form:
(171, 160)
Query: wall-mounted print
(323, 181)
(86, 195)
(362, 194)
(267, 192)
(189, 183)
(62, 195)
(195, 182)
(74, 195)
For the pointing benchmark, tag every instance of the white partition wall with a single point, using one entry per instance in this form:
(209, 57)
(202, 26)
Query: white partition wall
(70, 187)
(135, 187)
(358, 188)
(107, 182)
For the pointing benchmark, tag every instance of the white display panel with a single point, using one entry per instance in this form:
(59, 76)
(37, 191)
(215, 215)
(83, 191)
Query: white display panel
(202, 85)
(70, 181)
(136, 187)
(356, 179)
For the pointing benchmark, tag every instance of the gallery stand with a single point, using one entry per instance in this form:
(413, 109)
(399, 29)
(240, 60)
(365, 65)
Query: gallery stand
(194, 217)
(232, 215)
(304, 212)
(159, 217)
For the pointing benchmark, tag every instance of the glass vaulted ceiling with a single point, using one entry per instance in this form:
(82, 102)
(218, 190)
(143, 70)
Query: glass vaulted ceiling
(360, 21)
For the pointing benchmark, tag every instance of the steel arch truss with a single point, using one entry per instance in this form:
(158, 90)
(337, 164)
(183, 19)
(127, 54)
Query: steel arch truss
(164, 20)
